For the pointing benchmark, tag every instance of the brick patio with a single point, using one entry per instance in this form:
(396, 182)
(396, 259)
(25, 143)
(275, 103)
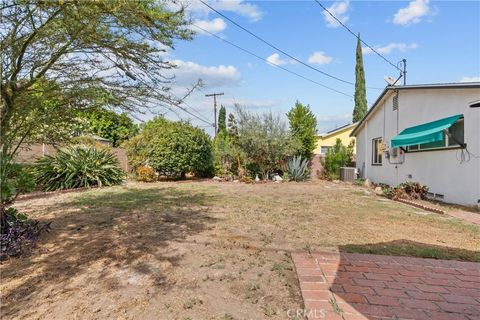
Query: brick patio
(364, 286)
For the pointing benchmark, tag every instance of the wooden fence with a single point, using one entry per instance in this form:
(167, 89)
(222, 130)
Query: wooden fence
(29, 154)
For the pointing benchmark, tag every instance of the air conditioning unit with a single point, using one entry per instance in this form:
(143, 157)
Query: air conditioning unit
(348, 174)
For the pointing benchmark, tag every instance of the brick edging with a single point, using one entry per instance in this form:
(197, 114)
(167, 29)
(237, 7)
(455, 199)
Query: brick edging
(420, 206)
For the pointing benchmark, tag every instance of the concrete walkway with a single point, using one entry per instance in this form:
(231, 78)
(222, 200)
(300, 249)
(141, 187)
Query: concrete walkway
(363, 286)
(471, 217)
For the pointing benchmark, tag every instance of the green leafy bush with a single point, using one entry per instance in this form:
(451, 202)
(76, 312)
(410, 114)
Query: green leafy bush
(78, 167)
(298, 169)
(171, 148)
(336, 157)
(15, 180)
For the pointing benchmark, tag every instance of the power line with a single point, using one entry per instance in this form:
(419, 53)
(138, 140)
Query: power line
(278, 49)
(277, 65)
(132, 76)
(356, 36)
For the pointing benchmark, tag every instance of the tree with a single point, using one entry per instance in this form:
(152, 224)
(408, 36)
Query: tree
(303, 126)
(222, 120)
(360, 108)
(172, 148)
(58, 56)
(232, 128)
(110, 125)
(264, 141)
(336, 157)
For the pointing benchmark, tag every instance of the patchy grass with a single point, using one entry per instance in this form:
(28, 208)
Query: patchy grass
(206, 250)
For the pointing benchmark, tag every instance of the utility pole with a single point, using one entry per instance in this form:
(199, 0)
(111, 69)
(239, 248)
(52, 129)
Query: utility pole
(214, 95)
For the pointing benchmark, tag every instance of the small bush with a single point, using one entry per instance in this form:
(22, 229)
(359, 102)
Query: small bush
(359, 182)
(145, 174)
(78, 167)
(414, 190)
(19, 234)
(298, 169)
(406, 190)
(338, 156)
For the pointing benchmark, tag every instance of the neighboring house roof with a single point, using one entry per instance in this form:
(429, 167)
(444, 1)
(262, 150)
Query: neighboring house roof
(336, 130)
(457, 85)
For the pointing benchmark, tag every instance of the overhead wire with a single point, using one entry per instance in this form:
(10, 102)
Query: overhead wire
(272, 63)
(280, 50)
(136, 77)
(356, 36)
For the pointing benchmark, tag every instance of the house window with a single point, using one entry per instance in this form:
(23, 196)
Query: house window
(324, 149)
(454, 138)
(377, 151)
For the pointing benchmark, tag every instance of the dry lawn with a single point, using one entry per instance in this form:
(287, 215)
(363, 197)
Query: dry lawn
(203, 250)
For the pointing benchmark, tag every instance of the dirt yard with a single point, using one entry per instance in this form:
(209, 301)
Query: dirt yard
(204, 250)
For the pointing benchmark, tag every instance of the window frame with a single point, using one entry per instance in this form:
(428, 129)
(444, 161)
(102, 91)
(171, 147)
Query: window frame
(376, 154)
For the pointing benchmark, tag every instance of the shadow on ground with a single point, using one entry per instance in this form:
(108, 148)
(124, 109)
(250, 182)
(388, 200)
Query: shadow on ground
(117, 238)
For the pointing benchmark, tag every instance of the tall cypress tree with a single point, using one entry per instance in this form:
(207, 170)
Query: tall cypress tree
(222, 120)
(360, 108)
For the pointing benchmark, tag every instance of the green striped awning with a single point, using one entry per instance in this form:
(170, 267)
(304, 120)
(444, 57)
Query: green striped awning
(424, 133)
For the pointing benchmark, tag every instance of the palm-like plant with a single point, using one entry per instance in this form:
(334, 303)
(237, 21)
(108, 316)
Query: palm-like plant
(78, 167)
(298, 169)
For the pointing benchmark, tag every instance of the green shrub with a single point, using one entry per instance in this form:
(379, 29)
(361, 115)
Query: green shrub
(78, 167)
(298, 169)
(145, 174)
(14, 180)
(171, 148)
(336, 157)
(359, 182)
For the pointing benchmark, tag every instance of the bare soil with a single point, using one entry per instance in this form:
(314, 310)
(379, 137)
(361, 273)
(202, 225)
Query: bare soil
(204, 250)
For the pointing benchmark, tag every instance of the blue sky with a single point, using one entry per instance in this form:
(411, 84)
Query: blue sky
(440, 40)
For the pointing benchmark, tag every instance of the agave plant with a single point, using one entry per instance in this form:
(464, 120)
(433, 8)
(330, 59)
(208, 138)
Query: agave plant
(78, 167)
(298, 169)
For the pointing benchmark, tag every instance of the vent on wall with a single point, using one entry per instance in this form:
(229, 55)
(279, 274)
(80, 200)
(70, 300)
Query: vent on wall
(435, 196)
(395, 101)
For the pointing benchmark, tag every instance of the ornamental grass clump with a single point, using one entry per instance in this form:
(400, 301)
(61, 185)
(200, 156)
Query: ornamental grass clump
(78, 167)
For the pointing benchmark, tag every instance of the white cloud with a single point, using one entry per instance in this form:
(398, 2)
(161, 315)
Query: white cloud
(416, 10)
(187, 73)
(198, 10)
(470, 79)
(402, 47)
(320, 57)
(214, 26)
(329, 122)
(239, 7)
(339, 10)
(275, 59)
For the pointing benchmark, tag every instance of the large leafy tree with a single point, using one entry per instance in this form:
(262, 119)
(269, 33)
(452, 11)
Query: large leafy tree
(360, 108)
(110, 125)
(264, 141)
(61, 55)
(172, 148)
(303, 126)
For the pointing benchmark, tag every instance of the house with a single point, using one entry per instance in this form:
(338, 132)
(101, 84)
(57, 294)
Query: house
(427, 133)
(327, 140)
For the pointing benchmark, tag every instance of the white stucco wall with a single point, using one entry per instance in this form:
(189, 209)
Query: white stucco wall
(440, 170)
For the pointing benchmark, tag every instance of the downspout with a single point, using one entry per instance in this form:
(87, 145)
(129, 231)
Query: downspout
(366, 149)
